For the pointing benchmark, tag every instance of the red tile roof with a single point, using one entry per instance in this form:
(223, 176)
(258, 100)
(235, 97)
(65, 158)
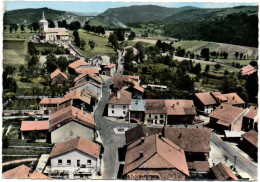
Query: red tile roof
(51, 100)
(248, 70)
(233, 99)
(226, 114)
(60, 31)
(158, 153)
(91, 72)
(206, 98)
(77, 64)
(56, 73)
(78, 94)
(70, 113)
(180, 107)
(23, 172)
(110, 66)
(119, 80)
(253, 112)
(34, 125)
(223, 173)
(84, 83)
(251, 137)
(155, 106)
(190, 139)
(82, 144)
(125, 98)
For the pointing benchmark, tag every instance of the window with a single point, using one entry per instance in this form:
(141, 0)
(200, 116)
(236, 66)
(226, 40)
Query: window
(89, 162)
(149, 115)
(71, 133)
(78, 163)
(68, 162)
(156, 117)
(112, 111)
(161, 116)
(123, 112)
(59, 162)
(112, 106)
(124, 107)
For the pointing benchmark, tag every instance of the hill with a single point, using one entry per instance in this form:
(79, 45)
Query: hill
(143, 13)
(209, 14)
(105, 21)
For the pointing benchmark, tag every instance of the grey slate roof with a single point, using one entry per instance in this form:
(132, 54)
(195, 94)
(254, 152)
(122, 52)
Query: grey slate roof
(138, 105)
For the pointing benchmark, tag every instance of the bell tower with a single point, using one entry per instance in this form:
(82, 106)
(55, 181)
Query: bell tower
(43, 25)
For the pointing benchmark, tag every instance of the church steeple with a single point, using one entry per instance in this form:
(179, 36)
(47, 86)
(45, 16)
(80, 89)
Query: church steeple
(43, 16)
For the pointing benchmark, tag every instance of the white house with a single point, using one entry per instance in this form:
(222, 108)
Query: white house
(119, 103)
(78, 158)
(100, 61)
(109, 70)
(155, 112)
(70, 122)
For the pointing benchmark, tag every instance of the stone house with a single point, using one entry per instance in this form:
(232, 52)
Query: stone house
(58, 77)
(155, 112)
(180, 111)
(119, 103)
(27, 127)
(227, 117)
(78, 158)
(155, 158)
(250, 120)
(70, 122)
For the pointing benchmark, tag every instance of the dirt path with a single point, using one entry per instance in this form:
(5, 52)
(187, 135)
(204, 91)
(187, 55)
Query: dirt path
(19, 161)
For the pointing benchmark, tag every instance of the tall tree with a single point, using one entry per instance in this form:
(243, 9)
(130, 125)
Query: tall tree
(205, 53)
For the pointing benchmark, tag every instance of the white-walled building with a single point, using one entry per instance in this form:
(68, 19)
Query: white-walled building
(119, 103)
(155, 112)
(78, 158)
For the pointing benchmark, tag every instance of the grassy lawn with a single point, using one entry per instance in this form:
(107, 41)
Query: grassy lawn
(101, 41)
(12, 158)
(241, 62)
(18, 34)
(13, 151)
(23, 104)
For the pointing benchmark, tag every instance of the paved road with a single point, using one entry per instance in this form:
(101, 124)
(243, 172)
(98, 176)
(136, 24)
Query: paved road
(110, 140)
(240, 162)
(19, 161)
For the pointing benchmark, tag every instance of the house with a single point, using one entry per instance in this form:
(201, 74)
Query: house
(47, 34)
(227, 117)
(91, 86)
(250, 143)
(234, 100)
(248, 70)
(49, 104)
(155, 157)
(137, 110)
(250, 120)
(28, 127)
(80, 99)
(180, 111)
(199, 169)
(155, 112)
(119, 81)
(77, 64)
(194, 141)
(222, 173)
(78, 158)
(58, 77)
(86, 74)
(207, 102)
(100, 61)
(70, 122)
(23, 172)
(109, 70)
(119, 103)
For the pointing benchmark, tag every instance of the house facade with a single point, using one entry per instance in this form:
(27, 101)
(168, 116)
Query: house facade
(78, 158)
(137, 110)
(250, 120)
(90, 86)
(119, 103)
(58, 77)
(70, 122)
(109, 70)
(155, 112)
(47, 105)
(250, 143)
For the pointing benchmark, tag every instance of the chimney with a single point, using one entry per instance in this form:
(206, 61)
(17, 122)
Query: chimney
(160, 135)
(118, 94)
(233, 98)
(173, 106)
(180, 136)
(142, 140)
(141, 153)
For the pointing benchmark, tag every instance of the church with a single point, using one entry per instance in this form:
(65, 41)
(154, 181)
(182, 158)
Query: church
(47, 34)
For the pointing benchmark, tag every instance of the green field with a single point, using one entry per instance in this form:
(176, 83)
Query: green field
(18, 34)
(230, 61)
(102, 46)
(23, 104)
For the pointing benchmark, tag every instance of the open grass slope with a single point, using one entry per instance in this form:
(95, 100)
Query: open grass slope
(195, 46)
(102, 46)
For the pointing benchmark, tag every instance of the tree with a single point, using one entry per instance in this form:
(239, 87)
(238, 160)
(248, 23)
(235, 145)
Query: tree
(253, 63)
(22, 28)
(141, 52)
(217, 66)
(15, 26)
(92, 44)
(6, 140)
(196, 69)
(120, 34)
(11, 85)
(241, 55)
(87, 27)
(252, 87)
(225, 55)
(113, 40)
(75, 25)
(51, 63)
(76, 38)
(10, 29)
(82, 44)
(50, 23)
(33, 61)
(35, 26)
(229, 84)
(62, 63)
(131, 36)
(207, 68)
(10, 70)
(236, 54)
(205, 53)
